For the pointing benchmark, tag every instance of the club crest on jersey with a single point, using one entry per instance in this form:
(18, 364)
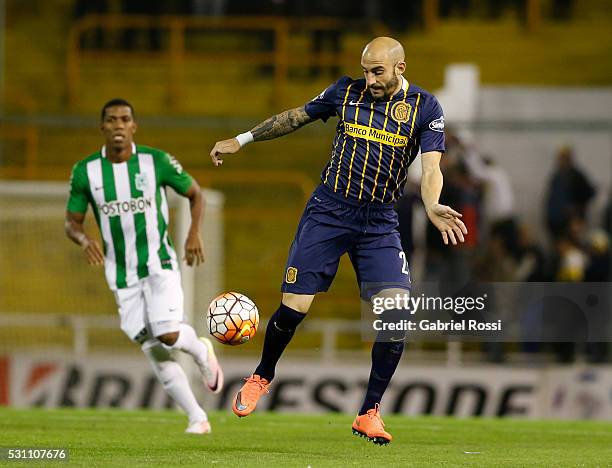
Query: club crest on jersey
(291, 276)
(141, 182)
(401, 111)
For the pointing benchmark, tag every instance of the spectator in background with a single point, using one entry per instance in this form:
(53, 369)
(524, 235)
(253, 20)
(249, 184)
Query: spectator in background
(569, 193)
(531, 259)
(460, 188)
(437, 256)
(607, 218)
(600, 260)
(570, 264)
(572, 259)
(493, 264)
(599, 269)
(499, 206)
(532, 266)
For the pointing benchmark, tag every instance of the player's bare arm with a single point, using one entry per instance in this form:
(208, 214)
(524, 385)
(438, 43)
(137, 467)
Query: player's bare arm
(281, 124)
(443, 217)
(194, 252)
(73, 227)
(274, 127)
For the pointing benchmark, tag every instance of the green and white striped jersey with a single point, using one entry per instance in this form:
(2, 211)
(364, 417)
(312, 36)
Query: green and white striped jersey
(129, 202)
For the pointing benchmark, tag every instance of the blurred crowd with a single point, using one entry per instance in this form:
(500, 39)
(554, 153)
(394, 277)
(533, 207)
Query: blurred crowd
(501, 247)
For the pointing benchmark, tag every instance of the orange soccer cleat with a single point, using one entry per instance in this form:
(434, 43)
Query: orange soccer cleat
(371, 426)
(246, 399)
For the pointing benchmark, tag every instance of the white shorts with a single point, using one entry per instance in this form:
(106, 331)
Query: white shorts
(151, 307)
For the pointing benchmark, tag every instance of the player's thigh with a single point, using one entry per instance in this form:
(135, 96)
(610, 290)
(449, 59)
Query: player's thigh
(392, 309)
(321, 239)
(132, 312)
(164, 301)
(299, 302)
(380, 264)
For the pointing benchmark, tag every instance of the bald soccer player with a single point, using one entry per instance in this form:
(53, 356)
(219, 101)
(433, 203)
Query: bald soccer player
(383, 123)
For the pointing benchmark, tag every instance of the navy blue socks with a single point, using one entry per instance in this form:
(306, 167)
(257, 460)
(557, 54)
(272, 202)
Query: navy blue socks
(385, 358)
(279, 332)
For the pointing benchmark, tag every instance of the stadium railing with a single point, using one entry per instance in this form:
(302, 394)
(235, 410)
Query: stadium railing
(532, 14)
(280, 58)
(82, 328)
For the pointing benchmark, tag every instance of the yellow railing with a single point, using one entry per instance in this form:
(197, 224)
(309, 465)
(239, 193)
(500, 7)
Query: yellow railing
(174, 55)
(280, 58)
(532, 14)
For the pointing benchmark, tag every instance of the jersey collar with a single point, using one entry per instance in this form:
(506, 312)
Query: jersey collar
(103, 150)
(404, 87)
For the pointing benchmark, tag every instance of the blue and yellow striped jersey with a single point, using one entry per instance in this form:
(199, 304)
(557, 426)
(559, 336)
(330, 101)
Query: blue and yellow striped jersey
(376, 141)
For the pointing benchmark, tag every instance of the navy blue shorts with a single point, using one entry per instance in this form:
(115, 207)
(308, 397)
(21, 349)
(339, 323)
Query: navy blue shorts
(331, 226)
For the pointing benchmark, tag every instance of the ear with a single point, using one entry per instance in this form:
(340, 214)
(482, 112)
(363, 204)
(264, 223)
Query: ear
(135, 127)
(400, 68)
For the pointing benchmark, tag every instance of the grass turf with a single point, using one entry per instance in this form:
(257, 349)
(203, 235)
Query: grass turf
(154, 438)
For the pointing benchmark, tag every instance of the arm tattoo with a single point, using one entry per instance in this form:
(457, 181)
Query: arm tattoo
(281, 124)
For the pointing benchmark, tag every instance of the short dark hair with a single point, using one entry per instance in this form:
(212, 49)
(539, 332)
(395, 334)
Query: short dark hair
(116, 102)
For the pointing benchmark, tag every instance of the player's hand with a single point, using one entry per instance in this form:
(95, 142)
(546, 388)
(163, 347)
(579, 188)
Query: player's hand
(194, 253)
(448, 223)
(93, 252)
(230, 146)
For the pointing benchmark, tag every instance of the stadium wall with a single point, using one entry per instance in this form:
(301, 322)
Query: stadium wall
(102, 381)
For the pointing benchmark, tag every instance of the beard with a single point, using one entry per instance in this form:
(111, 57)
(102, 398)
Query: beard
(391, 86)
(388, 89)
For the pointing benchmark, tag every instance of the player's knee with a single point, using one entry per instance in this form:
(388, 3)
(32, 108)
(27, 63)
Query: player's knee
(162, 363)
(168, 338)
(392, 326)
(298, 302)
(156, 352)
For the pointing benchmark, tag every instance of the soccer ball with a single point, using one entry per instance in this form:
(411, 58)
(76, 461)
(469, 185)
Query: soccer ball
(232, 318)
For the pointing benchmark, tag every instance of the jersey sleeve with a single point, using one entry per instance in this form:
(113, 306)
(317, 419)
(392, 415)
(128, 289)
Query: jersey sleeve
(171, 173)
(431, 136)
(325, 104)
(78, 198)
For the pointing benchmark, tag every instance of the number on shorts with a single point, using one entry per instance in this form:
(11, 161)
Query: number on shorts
(405, 270)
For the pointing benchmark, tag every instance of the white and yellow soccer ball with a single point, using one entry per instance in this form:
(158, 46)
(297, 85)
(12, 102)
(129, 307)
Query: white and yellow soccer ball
(232, 318)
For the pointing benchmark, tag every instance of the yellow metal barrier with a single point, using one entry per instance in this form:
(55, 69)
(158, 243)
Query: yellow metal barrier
(532, 13)
(280, 58)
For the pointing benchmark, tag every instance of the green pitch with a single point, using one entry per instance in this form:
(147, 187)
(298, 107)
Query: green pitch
(152, 438)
